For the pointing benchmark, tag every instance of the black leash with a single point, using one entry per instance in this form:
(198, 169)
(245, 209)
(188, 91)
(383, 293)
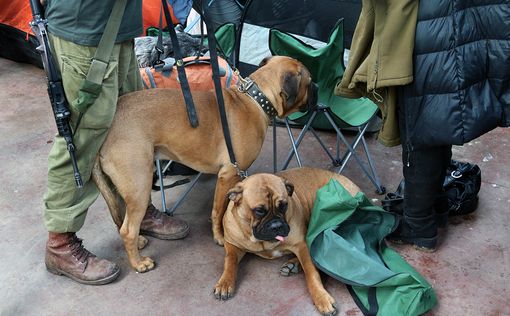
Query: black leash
(186, 91)
(211, 40)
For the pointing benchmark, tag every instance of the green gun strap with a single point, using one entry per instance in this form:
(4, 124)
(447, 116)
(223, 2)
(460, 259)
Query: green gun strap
(91, 87)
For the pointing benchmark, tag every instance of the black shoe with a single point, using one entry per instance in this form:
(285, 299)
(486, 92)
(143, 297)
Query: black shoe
(405, 235)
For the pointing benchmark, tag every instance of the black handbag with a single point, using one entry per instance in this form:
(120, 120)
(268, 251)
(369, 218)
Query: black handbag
(461, 184)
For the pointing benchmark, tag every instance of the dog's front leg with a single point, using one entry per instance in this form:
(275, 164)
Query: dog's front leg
(324, 302)
(225, 286)
(227, 178)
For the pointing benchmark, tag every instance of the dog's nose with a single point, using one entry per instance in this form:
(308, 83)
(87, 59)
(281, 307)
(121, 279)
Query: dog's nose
(313, 98)
(276, 226)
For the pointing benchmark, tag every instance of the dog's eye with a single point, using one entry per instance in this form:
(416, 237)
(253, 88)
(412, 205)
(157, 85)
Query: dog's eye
(283, 206)
(259, 211)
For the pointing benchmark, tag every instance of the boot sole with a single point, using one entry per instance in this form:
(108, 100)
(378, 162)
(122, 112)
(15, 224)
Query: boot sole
(102, 281)
(166, 237)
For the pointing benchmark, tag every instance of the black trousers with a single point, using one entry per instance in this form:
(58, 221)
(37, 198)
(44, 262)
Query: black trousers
(424, 169)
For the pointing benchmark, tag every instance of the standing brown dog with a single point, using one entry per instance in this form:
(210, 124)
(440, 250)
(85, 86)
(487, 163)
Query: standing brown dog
(268, 215)
(153, 123)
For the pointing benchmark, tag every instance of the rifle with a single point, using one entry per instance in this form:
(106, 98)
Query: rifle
(58, 100)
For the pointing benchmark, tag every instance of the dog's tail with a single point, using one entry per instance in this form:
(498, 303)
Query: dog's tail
(113, 199)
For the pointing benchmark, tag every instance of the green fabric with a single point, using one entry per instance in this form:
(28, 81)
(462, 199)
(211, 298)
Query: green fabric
(91, 87)
(83, 21)
(346, 240)
(326, 67)
(226, 39)
(225, 36)
(65, 205)
(87, 95)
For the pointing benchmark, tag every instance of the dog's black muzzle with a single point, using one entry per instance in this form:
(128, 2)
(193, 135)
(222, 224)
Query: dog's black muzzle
(313, 98)
(269, 230)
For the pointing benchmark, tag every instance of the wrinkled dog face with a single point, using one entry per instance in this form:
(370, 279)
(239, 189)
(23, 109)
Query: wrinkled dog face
(298, 91)
(263, 199)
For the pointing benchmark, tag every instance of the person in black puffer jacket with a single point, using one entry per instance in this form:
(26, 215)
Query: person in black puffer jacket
(461, 90)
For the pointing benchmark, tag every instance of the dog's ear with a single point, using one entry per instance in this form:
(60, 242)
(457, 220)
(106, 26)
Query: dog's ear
(289, 186)
(236, 193)
(290, 88)
(264, 61)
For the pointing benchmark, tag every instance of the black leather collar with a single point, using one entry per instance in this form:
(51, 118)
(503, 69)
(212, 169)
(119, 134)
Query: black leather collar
(249, 87)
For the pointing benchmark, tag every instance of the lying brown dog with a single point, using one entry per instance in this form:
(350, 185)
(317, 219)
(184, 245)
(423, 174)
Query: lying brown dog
(154, 123)
(268, 215)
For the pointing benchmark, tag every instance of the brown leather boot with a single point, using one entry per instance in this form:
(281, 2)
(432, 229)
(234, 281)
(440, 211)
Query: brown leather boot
(66, 255)
(158, 224)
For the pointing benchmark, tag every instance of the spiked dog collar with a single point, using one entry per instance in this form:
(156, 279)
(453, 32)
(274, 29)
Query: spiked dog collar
(249, 87)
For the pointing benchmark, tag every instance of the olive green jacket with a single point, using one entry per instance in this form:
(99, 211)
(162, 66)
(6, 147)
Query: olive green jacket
(381, 58)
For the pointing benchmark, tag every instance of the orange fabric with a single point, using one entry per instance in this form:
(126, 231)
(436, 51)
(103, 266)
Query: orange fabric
(150, 11)
(16, 14)
(199, 76)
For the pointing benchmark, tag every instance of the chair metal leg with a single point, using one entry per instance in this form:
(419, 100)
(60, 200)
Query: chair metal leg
(161, 184)
(308, 127)
(360, 137)
(190, 186)
(333, 160)
(354, 144)
(371, 174)
(293, 143)
(338, 148)
(374, 181)
(299, 139)
(184, 194)
(380, 189)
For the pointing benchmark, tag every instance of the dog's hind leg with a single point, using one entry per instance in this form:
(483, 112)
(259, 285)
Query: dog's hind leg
(130, 232)
(133, 178)
(227, 178)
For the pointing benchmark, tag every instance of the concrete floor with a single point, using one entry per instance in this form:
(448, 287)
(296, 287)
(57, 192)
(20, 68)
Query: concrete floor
(470, 272)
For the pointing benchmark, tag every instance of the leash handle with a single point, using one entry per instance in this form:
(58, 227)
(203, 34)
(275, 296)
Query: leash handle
(186, 91)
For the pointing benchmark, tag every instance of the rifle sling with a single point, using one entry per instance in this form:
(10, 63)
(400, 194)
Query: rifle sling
(92, 85)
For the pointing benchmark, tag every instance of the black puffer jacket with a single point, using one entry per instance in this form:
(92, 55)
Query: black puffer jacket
(461, 86)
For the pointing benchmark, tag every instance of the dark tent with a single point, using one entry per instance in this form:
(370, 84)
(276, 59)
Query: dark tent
(16, 39)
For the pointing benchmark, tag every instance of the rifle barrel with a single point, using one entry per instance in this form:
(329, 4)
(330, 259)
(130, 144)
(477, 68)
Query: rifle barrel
(58, 100)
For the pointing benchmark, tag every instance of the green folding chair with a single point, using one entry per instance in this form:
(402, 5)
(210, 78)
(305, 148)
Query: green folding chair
(326, 67)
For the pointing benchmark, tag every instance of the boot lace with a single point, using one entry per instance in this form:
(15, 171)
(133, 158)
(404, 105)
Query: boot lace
(78, 250)
(153, 212)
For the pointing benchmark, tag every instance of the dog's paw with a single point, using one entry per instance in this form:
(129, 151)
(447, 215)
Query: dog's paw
(145, 264)
(224, 290)
(290, 267)
(142, 242)
(326, 305)
(219, 240)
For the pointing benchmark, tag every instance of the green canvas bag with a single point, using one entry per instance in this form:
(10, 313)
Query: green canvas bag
(346, 241)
